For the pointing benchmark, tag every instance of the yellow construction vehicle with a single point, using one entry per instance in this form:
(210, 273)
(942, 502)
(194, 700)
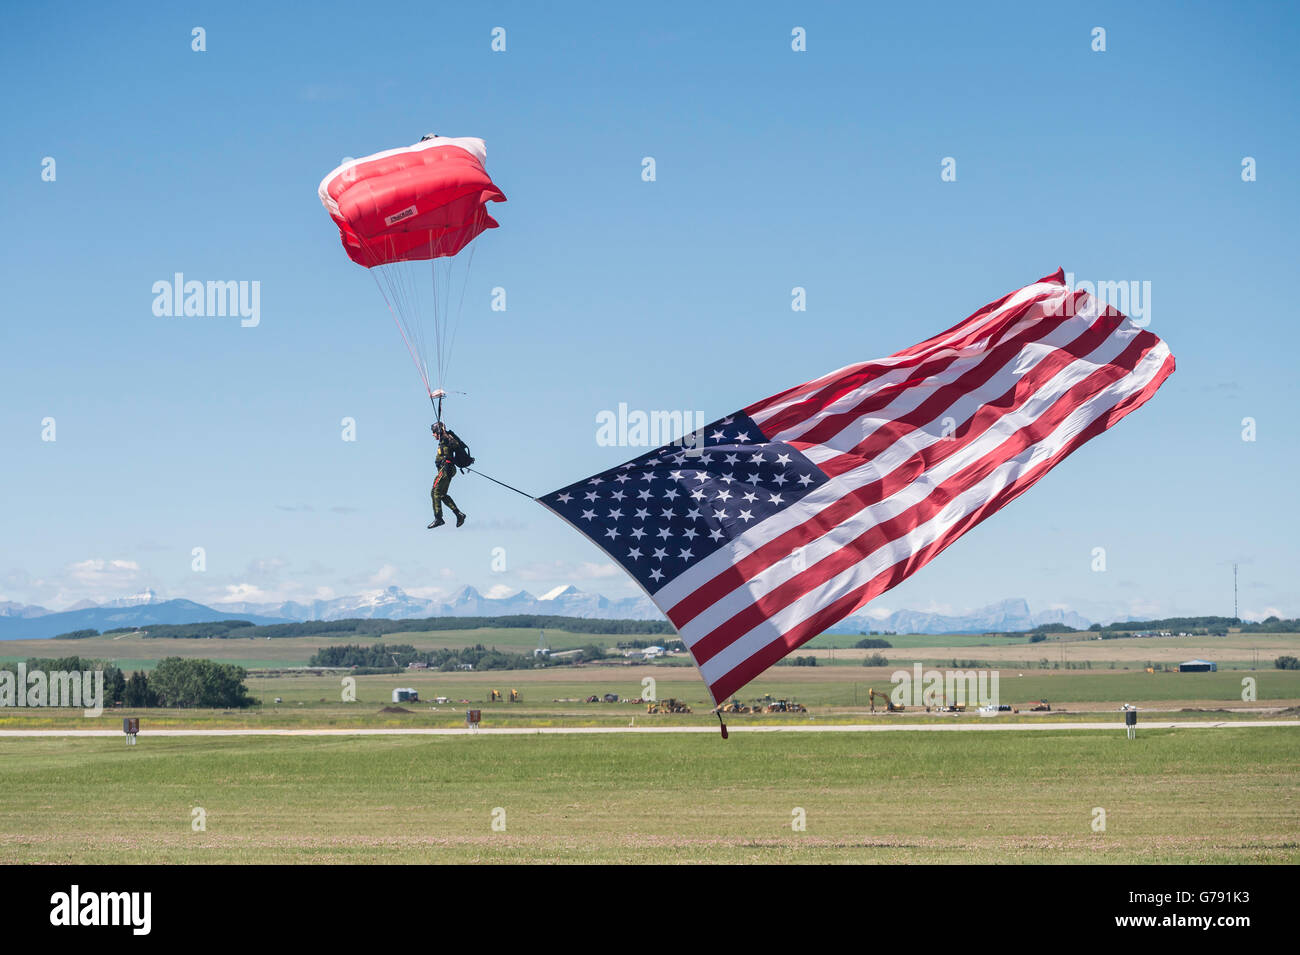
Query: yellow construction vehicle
(667, 706)
(495, 697)
(1037, 706)
(785, 706)
(735, 706)
(889, 705)
(514, 696)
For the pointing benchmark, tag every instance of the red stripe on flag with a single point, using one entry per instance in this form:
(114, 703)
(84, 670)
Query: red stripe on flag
(857, 376)
(880, 535)
(924, 460)
(868, 371)
(946, 395)
(828, 616)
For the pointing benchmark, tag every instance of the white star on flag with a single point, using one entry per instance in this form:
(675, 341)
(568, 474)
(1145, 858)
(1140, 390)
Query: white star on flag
(871, 471)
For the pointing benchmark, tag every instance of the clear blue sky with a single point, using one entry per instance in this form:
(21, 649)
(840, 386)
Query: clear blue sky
(775, 169)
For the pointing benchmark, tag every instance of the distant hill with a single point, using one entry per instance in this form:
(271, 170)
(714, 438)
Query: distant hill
(370, 629)
(110, 618)
(10, 609)
(393, 603)
(19, 621)
(1007, 616)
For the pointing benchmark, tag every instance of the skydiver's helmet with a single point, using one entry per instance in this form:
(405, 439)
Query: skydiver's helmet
(437, 428)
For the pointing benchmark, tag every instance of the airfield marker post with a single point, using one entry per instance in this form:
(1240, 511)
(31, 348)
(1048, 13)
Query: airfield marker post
(1130, 720)
(131, 727)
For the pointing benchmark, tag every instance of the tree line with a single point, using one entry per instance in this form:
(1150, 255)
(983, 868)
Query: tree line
(381, 656)
(174, 682)
(1200, 625)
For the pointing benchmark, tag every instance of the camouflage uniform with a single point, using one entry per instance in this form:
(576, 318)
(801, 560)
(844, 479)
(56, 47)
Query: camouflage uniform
(446, 471)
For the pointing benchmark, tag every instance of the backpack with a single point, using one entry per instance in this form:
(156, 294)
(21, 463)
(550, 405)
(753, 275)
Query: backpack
(460, 456)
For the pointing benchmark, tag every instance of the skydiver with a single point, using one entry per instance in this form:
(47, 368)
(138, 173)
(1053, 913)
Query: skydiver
(450, 448)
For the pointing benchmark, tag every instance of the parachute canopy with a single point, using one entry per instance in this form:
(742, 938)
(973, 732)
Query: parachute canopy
(397, 210)
(425, 201)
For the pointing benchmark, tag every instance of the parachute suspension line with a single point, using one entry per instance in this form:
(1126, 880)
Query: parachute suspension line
(439, 276)
(444, 271)
(464, 286)
(401, 309)
(438, 317)
(415, 357)
(442, 294)
(406, 280)
(443, 276)
(400, 283)
(403, 296)
(414, 328)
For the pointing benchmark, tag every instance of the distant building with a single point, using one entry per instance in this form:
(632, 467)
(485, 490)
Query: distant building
(405, 694)
(652, 652)
(1197, 666)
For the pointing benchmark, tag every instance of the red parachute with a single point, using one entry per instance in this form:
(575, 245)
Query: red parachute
(402, 206)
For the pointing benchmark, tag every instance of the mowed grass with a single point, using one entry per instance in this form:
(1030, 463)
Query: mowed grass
(1185, 796)
(833, 687)
(1233, 651)
(556, 697)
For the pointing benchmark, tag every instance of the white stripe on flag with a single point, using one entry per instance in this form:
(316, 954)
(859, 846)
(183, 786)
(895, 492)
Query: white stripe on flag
(898, 454)
(1052, 294)
(1018, 468)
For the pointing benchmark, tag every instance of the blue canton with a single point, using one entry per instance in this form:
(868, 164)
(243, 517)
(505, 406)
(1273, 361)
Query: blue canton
(662, 512)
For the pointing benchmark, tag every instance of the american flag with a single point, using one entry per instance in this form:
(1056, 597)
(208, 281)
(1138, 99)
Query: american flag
(770, 525)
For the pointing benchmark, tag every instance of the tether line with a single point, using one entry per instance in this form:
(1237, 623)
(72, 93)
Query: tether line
(502, 483)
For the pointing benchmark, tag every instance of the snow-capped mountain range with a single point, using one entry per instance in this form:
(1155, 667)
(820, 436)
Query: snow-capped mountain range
(393, 603)
(1008, 616)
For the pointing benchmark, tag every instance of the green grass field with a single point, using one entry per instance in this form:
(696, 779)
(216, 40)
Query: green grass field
(1190, 796)
(555, 697)
(1235, 650)
(129, 651)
